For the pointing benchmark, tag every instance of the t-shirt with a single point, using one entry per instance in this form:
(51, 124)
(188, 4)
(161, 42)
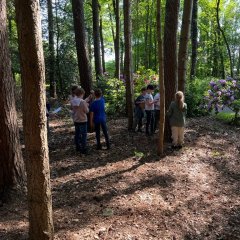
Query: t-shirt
(149, 98)
(157, 104)
(98, 109)
(80, 110)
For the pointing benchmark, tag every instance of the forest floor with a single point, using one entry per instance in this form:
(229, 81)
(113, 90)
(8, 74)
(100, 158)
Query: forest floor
(129, 193)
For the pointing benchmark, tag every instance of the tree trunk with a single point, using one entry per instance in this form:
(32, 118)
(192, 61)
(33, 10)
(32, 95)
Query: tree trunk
(11, 162)
(238, 64)
(117, 39)
(102, 46)
(161, 80)
(170, 55)
(81, 45)
(53, 91)
(34, 119)
(96, 38)
(128, 61)
(194, 37)
(224, 38)
(146, 37)
(183, 46)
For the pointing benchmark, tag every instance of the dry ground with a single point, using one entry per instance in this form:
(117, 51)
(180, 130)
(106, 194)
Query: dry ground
(130, 193)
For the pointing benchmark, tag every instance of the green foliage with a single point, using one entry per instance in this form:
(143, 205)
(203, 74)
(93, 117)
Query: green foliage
(193, 96)
(225, 117)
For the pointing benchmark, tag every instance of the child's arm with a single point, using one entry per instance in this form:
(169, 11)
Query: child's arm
(170, 111)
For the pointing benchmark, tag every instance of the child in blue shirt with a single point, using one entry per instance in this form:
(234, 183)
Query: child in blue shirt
(98, 118)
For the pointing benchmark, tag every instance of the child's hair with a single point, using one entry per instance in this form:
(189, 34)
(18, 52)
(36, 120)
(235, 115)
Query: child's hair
(73, 88)
(150, 87)
(98, 93)
(179, 97)
(79, 91)
(143, 89)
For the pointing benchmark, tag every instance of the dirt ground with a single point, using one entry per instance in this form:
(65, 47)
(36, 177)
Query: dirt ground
(129, 193)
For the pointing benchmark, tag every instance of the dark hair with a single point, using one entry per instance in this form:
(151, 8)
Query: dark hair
(98, 93)
(79, 91)
(150, 86)
(73, 88)
(143, 89)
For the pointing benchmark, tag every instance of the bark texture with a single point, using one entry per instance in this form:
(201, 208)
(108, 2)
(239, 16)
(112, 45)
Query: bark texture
(34, 119)
(81, 45)
(183, 46)
(11, 162)
(128, 61)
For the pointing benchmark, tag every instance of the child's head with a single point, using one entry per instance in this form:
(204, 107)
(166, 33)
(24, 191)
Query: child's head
(143, 91)
(98, 93)
(79, 92)
(73, 88)
(150, 88)
(179, 98)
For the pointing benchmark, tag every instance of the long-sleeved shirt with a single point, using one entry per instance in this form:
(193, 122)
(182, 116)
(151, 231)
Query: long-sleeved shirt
(177, 117)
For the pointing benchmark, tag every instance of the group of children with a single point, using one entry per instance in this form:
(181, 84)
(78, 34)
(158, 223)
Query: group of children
(87, 114)
(148, 106)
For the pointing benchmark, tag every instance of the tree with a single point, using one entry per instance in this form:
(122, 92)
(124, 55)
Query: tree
(96, 38)
(161, 80)
(128, 61)
(170, 54)
(183, 45)
(11, 162)
(34, 119)
(102, 46)
(53, 91)
(194, 36)
(81, 45)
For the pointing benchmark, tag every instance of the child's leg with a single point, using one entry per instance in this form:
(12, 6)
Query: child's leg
(77, 136)
(97, 129)
(175, 135)
(180, 135)
(140, 123)
(148, 113)
(152, 121)
(105, 132)
(83, 137)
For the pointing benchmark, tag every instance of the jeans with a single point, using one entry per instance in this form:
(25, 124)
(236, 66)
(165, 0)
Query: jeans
(157, 118)
(98, 127)
(81, 136)
(150, 121)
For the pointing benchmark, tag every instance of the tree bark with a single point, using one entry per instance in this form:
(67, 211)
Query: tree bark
(102, 46)
(161, 80)
(170, 55)
(81, 45)
(225, 39)
(183, 46)
(11, 162)
(194, 37)
(51, 57)
(34, 119)
(146, 37)
(128, 61)
(96, 38)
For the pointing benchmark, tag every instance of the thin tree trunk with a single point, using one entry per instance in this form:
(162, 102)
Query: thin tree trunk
(225, 39)
(84, 65)
(170, 55)
(53, 87)
(238, 65)
(128, 61)
(96, 38)
(146, 37)
(102, 46)
(194, 37)
(161, 80)
(11, 162)
(34, 119)
(183, 46)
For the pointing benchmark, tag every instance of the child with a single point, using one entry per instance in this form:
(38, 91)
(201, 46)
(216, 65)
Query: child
(149, 109)
(98, 117)
(177, 114)
(80, 110)
(139, 110)
(156, 110)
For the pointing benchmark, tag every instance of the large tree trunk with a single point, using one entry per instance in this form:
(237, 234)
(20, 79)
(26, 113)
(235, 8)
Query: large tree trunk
(34, 119)
(128, 61)
(194, 36)
(96, 38)
(11, 162)
(170, 55)
(102, 46)
(117, 39)
(51, 56)
(183, 46)
(81, 45)
(161, 80)
(225, 39)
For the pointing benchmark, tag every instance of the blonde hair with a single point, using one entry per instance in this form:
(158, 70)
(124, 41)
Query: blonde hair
(179, 98)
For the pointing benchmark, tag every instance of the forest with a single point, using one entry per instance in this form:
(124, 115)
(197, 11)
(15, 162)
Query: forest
(120, 119)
